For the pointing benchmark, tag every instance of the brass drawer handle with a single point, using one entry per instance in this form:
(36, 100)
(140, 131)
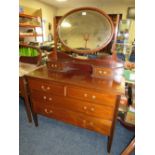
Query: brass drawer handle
(50, 99)
(93, 97)
(85, 95)
(100, 72)
(85, 107)
(104, 72)
(45, 89)
(48, 112)
(91, 123)
(48, 88)
(92, 109)
(84, 121)
(44, 97)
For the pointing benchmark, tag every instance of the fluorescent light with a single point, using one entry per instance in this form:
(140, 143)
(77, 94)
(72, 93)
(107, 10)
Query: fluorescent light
(84, 13)
(65, 24)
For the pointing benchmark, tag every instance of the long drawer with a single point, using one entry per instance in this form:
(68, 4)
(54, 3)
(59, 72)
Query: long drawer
(91, 96)
(50, 87)
(76, 105)
(96, 124)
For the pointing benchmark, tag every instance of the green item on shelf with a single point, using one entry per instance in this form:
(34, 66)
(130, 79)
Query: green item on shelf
(29, 52)
(129, 75)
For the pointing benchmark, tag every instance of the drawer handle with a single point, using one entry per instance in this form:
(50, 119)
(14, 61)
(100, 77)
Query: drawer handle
(92, 109)
(85, 107)
(93, 97)
(45, 89)
(48, 112)
(91, 123)
(44, 97)
(50, 99)
(84, 121)
(104, 72)
(100, 72)
(48, 88)
(85, 95)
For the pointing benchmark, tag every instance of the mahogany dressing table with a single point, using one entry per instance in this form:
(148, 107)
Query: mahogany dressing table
(84, 93)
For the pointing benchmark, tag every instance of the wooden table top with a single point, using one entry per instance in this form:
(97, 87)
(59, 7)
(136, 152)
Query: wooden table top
(79, 78)
(25, 68)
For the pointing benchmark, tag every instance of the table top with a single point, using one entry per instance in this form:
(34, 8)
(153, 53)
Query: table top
(26, 68)
(79, 78)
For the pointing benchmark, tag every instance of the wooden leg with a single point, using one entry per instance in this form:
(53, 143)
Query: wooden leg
(110, 138)
(24, 94)
(35, 119)
(130, 148)
(28, 109)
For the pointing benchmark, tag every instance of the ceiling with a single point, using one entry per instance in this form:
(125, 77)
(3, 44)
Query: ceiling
(80, 3)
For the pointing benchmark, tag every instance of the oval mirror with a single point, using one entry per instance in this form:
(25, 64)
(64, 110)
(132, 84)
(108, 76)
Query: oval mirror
(85, 30)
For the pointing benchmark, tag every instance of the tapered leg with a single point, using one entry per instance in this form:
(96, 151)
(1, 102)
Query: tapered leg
(35, 119)
(109, 144)
(24, 94)
(28, 109)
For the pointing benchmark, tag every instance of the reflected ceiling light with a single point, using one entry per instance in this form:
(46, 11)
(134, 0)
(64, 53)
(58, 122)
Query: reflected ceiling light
(65, 24)
(84, 13)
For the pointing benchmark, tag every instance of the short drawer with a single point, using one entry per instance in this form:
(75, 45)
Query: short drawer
(45, 86)
(91, 96)
(76, 105)
(96, 124)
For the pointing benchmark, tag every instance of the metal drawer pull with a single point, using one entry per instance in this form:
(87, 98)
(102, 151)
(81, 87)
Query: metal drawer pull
(44, 89)
(93, 97)
(50, 99)
(100, 72)
(85, 95)
(48, 112)
(44, 97)
(104, 72)
(84, 121)
(85, 107)
(92, 109)
(48, 88)
(91, 123)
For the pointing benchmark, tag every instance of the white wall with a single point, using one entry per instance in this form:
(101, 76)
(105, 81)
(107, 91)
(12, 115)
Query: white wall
(48, 12)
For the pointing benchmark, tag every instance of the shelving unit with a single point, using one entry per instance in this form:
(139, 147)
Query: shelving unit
(30, 27)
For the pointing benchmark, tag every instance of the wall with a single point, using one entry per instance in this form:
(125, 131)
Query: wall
(48, 12)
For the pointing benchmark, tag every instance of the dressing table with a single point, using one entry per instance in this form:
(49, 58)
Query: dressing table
(84, 93)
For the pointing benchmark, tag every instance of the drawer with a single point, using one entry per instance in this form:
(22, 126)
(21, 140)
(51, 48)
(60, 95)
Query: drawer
(91, 96)
(95, 124)
(96, 110)
(42, 85)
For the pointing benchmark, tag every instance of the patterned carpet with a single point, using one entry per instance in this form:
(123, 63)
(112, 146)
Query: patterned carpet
(56, 138)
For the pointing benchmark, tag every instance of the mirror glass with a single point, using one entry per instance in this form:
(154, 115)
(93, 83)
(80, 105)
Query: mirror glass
(85, 30)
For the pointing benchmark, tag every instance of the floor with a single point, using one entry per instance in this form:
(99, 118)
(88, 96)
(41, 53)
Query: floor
(52, 137)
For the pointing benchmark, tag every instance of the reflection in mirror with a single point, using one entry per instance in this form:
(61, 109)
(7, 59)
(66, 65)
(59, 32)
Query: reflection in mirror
(85, 31)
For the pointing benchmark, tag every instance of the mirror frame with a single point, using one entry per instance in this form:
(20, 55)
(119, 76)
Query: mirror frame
(87, 51)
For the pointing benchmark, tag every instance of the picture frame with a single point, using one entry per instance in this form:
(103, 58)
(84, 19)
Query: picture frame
(131, 13)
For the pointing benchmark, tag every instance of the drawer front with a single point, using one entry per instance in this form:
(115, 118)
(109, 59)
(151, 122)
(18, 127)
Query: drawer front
(99, 125)
(92, 96)
(100, 111)
(45, 86)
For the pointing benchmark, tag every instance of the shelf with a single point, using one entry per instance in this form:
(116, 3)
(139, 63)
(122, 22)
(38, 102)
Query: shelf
(29, 25)
(30, 35)
(28, 16)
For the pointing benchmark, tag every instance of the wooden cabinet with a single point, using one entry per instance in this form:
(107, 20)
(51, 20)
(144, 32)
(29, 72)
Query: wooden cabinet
(30, 27)
(76, 99)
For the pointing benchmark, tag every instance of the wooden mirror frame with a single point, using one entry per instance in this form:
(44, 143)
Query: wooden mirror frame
(86, 51)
